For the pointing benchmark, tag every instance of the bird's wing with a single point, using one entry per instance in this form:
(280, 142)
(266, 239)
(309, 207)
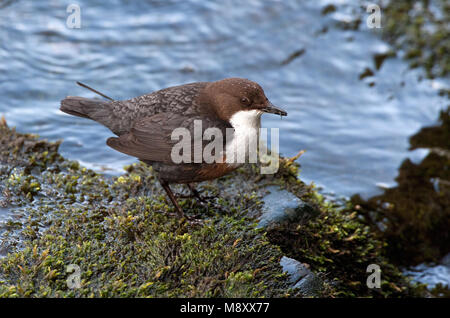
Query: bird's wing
(150, 138)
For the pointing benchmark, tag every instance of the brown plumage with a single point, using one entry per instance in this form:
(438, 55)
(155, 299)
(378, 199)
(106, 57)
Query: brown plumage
(144, 124)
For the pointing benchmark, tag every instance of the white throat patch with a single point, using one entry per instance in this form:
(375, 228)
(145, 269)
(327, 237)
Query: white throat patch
(246, 124)
(246, 119)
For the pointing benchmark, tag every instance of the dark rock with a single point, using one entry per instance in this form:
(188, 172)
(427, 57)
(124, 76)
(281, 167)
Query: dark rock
(381, 57)
(328, 9)
(293, 56)
(301, 276)
(282, 206)
(366, 73)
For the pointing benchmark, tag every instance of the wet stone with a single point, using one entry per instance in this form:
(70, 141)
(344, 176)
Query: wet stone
(281, 206)
(301, 276)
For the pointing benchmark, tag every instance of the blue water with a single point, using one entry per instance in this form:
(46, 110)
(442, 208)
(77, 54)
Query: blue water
(355, 135)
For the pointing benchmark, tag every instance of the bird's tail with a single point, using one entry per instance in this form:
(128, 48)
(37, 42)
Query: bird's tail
(82, 107)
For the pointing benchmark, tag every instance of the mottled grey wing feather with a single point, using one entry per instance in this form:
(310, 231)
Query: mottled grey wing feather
(150, 137)
(122, 115)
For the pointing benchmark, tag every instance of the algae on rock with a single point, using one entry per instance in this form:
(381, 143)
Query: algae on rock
(118, 231)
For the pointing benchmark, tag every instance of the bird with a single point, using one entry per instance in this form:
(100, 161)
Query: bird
(144, 126)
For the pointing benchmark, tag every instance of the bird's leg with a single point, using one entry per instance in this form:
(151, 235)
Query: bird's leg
(180, 212)
(188, 196)
(204, 199)
(172, 198)
(195, 192)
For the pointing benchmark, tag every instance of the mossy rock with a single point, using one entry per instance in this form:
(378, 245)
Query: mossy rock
(120, 233)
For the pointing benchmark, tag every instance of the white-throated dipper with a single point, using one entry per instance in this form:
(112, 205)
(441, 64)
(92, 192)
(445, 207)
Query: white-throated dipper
(144, 124)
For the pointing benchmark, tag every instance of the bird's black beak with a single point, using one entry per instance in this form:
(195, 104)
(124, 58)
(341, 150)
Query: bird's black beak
(272, 109)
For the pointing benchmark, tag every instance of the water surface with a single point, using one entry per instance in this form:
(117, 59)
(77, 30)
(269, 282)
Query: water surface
(355, 133)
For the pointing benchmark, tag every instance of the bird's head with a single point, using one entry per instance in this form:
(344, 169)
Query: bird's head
(232, 96)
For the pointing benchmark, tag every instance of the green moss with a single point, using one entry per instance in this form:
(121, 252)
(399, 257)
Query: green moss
(338, 245)
(413, 27)
(135, 253)
(120, 233)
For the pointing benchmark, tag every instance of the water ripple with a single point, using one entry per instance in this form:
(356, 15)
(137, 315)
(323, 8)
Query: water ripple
(355, 133)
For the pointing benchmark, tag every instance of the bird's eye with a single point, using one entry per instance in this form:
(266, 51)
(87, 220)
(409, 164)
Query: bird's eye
(245, 101)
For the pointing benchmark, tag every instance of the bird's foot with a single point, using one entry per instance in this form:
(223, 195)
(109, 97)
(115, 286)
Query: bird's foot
(205, 198)
(197, 194)
(210, 204)
(201, 198)
(185, 196)
(206, 202)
